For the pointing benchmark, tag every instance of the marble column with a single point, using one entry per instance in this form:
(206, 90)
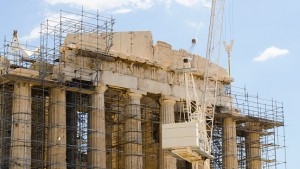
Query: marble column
(229, 144)
(21, 126)
(57, 129)
(133, 131)
(166, 116)
(96, 132)
(253, 158)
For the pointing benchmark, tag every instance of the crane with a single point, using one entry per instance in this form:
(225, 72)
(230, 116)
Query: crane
(200, 111)
(209, 97)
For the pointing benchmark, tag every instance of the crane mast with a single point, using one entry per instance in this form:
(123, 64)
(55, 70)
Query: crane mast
(211, 74)
(200, 111)
(203, 110)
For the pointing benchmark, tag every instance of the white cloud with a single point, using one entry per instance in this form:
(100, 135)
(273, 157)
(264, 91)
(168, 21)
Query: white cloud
(270, 53)
(114, 6)
(191, 3)
(122, 11)
(105, 4)
(35, 32)
(188, 3)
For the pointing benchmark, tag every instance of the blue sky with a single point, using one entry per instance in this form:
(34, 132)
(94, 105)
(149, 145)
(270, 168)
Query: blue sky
(268, 28)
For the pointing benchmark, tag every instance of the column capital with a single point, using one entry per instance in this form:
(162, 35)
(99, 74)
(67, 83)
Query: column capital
(253, 127)
(101, 87)
(168, 99)
(135, 93)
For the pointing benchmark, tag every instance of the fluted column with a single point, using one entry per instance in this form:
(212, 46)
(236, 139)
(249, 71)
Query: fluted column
(229, 146)
(133, 133)
(96, 132)
(253, 158)
(21, 126)
(166, 116)
(57, 129)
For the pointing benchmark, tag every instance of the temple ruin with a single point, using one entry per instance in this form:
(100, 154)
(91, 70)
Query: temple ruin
(90, 97)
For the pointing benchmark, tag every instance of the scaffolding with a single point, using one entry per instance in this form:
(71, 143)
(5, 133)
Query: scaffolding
(28, 76)
(89, 35)
(117, 121)
(217, 145)
(253, 115)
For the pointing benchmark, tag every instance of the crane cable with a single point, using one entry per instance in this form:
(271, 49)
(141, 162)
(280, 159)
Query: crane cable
(194, 40)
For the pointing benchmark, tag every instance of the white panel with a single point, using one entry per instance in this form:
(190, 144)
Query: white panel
(179, 132)
(180, 142)
(177, 135)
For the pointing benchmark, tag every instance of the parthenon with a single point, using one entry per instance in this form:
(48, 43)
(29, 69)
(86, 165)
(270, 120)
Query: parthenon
(94, 98)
